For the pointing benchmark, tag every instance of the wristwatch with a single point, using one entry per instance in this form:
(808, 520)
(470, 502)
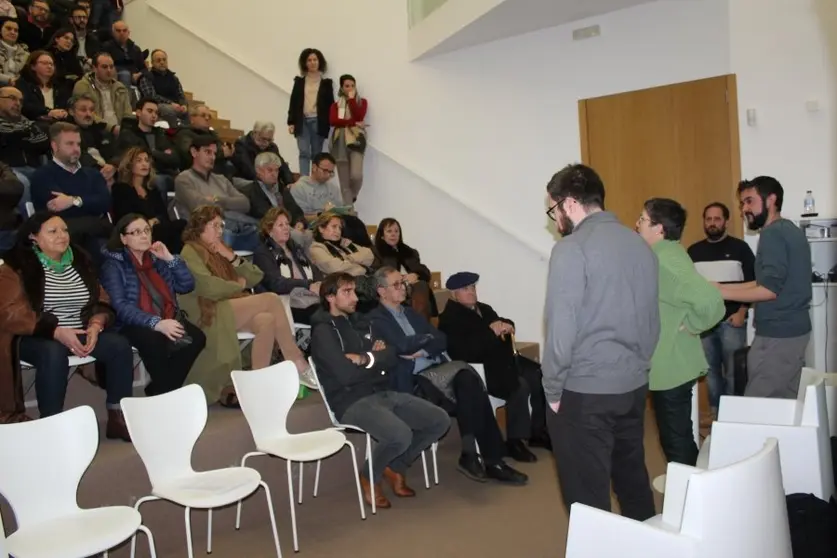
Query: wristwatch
(77, 201)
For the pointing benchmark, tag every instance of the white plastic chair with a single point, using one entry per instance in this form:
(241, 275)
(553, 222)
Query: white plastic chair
(266, 397)
(74, 363)
(164, 430)
(45, 460)
(368, 454)
(735, 511)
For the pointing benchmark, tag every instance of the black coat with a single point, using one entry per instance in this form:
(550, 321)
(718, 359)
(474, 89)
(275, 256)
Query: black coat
(67, 65)
(260, 205)
(22, 143)
(34, 37)
(131, 58)
(269, 257)
(11, 190)
(34, 106)
(404, 256)
(98, 137)
(244, 160)
(471, 339)
(131, 136)
(325, 98)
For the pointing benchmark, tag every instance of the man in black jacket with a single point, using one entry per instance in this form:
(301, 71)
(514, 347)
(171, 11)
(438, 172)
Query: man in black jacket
(98, 146)
(268, 191)
(128, 58)
(11, 191)
(36, 30)
(352, 369)
(23, 145)
(142, 132)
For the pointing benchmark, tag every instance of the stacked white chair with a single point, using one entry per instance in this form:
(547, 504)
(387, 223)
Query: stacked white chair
(39, 477)
(266, 397)
(737, 511)
(164, 430)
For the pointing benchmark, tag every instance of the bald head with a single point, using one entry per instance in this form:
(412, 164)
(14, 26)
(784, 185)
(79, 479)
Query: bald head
(121, 32)
(10, 103)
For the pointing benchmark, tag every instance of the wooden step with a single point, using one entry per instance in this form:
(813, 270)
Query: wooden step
(220, 123)
(189, 95)
(229, 135)
(436, 281)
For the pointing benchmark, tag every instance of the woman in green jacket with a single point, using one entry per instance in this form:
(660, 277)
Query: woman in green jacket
(222, 305)
(689, 305)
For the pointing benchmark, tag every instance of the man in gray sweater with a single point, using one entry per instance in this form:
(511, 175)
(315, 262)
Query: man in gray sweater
(602, 326)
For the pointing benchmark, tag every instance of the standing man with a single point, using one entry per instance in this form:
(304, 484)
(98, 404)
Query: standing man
(781, 292)
(722, 258)
(602, 326)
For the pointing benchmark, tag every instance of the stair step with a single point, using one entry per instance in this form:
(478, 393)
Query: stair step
(189, 95)
(229, 135)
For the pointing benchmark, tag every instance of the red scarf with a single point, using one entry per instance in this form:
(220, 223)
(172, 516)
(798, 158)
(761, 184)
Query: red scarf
(146, 303)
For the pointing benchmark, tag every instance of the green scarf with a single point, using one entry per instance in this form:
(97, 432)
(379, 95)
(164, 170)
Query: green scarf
(55, 266)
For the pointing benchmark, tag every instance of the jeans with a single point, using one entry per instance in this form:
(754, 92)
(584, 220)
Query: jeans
(170, 115)
(720, 344)
(125, 76)
(241, 241)
(403, 426)
(673, 410)
(49, 357)
(24, 174)
(310, 143)
(167, 368)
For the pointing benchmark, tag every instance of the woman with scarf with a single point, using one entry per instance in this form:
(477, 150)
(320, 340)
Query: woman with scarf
(287, 270)
(348, 141)
(143, 278)
(13, 54)
(222, 305)
(73, 312)
(392, 252)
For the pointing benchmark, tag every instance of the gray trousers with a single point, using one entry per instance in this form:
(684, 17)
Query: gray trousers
(774, 365)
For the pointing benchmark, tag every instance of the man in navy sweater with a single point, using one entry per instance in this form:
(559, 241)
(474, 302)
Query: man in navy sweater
(78, 194)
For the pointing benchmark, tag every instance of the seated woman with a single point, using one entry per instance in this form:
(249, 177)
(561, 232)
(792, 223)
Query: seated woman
(134, 192)
(392, 252)
(45, 97)
(143, 279)
(222, 306)
(73, 311)
(13, 54)
(286, 268)
(63, 49)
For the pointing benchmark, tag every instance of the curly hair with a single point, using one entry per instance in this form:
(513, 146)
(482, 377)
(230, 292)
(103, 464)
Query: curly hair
(198, 220)
(125, 170)
(303, 59)
(270, 218)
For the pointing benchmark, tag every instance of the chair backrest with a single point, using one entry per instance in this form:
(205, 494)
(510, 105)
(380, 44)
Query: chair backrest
(809, 376)
(740, 509)
(266, 397)
(43, 462)
(164, 430)
(331, 414)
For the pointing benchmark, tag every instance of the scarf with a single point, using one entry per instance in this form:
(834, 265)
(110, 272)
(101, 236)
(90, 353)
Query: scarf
(285, 263)
(148, 303)
(59, 266)
(220, 267)
(352, 133)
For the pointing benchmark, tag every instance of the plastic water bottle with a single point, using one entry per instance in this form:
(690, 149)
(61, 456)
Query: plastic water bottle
(810, 206)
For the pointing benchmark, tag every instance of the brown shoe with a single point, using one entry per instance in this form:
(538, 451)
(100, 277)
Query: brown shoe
(398, 484)
(116, 428)
(380, 499)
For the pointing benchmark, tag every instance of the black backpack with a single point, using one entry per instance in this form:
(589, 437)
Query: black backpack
(813, 526)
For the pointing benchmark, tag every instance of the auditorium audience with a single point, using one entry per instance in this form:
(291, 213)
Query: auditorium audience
(98, 146)
(250, 146)
(348, 142)
(353, 365)
(142, 132)
(268, 190)
(477, 334)
(143, 278)
(112, 99)
(200, 118)
(74, 312)
(36, 30)
(45, 95)
(135, 192)
(23, 145)
(308, 111)
(13, 55)
(11, 192)
(221, 306)
(424, 368)
(392, 252)
(163, 85)
(128, 58)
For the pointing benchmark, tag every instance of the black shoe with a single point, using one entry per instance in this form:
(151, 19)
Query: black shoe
(518, 451)
(471, 466)
(505, 474)
(540, 441)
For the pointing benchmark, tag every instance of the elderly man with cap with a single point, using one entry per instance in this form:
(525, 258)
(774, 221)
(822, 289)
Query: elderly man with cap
(476, 334)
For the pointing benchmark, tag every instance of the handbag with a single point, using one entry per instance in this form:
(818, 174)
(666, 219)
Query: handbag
(441, 376)
(179, 315)
(359, 145)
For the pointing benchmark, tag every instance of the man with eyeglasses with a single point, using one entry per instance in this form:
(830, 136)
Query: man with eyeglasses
(200, 125)
(86, 39)
(36, 30)
(112, 98)
(602, 326)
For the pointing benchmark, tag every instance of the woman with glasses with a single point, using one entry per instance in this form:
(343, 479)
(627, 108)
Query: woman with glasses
(143, 280)
(45, 96)
(13, 55)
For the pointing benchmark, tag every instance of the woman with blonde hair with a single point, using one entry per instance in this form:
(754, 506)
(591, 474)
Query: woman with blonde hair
(221, 305)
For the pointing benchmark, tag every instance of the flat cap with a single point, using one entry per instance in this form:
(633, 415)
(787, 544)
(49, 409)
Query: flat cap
(461, 280)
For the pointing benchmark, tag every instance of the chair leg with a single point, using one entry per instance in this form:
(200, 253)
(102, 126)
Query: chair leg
(371, 477)
(434, 449)
(238, 506)
(152, 547)
(291, 501)
(137, 505)
(317, 478)
(188, 522)
(209, 532)
(357, 480)
(301, 469)
(424, 468)
(272, 518)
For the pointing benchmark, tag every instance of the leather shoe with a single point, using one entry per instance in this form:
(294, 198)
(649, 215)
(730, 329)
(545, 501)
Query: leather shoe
(501, 472)
(398, 484)
(116, 428)
(541, 441)
(518, 451)
(471, 466)
(381, 501)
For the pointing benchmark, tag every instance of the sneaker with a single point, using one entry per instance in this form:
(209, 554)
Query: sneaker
(307, 378)
(504, 474)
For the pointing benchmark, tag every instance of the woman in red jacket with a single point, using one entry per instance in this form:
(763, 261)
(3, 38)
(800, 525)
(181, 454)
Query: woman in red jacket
(348, 142)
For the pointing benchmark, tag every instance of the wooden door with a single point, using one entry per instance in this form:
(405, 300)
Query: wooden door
(676, 141)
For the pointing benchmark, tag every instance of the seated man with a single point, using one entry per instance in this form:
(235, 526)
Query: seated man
(200, 120)
(128, 58)
(11, 190)
(267, 191)
(250, 146)
(78, 194)
(23, 144)
(98, 146)
(142, 132)
(477, 334)
(162, 85)
(453, 385)
(352, 368)
(112, 100)
(200, 186)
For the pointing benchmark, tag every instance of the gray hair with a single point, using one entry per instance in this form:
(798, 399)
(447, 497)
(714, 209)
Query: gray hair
(76, 99)
(266, 126)
(266, 158)
(381, 275)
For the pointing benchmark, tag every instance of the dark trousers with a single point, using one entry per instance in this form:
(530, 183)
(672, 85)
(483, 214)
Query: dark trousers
(598, 439)
(167, 369)
(673, 411)
(49, 357)
(520, 424)
(403, 426)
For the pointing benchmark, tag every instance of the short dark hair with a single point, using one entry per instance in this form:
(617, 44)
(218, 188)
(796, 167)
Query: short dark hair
(765, 186)
(303, 58)
(203, 140)
(331, 284)
(668, 213)
(724, 209)
(78, 8)
(114, 243)
(98, 55)
(320, 157)
(580, 183)
(145, 101)
(347, 77)
(59, 128)
(76, 99)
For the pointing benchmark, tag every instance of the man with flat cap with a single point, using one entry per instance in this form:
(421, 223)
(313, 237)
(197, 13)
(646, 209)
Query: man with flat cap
(476, 334)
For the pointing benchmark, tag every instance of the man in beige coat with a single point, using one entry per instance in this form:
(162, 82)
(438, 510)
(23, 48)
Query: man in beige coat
(112, 99)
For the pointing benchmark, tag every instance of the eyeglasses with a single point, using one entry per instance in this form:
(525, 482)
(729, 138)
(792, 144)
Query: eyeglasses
(139, 232)
(551, 211)
(218, 226)
(327, 171)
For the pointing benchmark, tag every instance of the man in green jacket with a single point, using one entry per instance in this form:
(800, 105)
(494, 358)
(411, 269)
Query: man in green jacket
(689, 305)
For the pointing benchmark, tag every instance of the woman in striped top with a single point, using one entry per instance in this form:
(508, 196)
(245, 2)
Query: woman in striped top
(73, 311)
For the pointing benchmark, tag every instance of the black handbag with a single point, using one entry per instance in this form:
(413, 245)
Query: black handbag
(179, 315)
